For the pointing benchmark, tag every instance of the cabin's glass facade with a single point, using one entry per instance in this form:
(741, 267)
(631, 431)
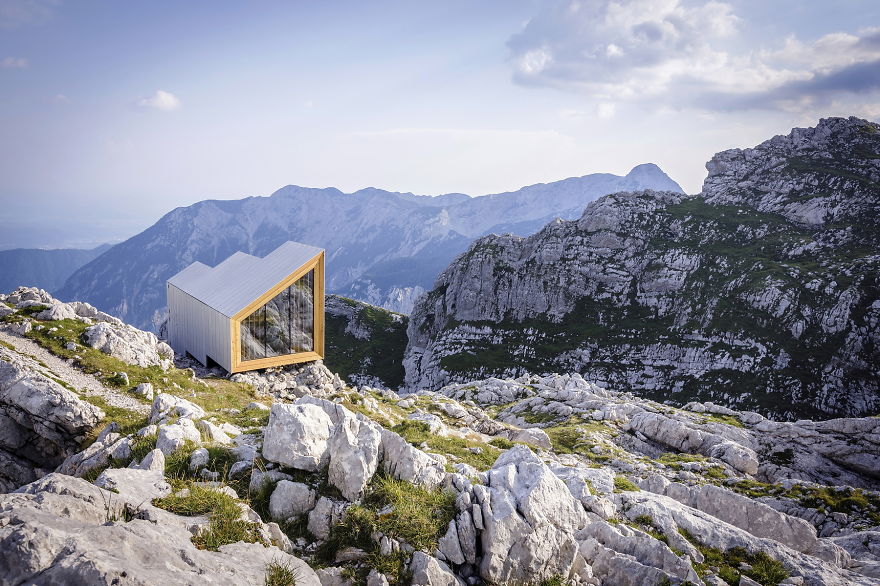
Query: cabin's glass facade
(284, 325)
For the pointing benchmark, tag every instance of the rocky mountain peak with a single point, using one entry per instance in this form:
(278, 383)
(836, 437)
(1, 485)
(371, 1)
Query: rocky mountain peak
(812, 176)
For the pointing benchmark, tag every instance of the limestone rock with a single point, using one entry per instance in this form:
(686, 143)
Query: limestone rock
(530, 518)
(404, 462)
(127, 343)
(298, 436)
(354, 456)
(174, 436)
(291, 499)
(63, 530)
(429, 571)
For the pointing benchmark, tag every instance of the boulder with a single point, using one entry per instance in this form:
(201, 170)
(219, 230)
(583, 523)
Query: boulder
(354, 456)
(530, 519)
(325, 514)
(41, 422)
(405, 462)
(154, 460)
(213, 432)
(165, 406)
(174, 436)
(144, 390)
(298, 436)
(684, 437)
(429, 571)
(291, 499)
(534, 436)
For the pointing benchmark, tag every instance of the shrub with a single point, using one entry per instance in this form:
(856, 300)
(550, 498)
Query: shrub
(280, 574)
(622, 484)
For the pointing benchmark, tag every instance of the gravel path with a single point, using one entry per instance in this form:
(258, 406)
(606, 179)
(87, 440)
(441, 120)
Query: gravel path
(59, 368)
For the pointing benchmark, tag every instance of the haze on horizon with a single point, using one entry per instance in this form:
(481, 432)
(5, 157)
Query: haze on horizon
(114, 113)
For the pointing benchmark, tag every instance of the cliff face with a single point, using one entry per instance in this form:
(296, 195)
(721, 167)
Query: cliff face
(761, 292)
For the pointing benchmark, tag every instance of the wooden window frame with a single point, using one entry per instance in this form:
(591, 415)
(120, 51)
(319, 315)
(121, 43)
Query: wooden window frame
(238, 365)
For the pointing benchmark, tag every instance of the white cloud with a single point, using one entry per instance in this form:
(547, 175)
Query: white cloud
(14, 63)
(678, 53)
(16, 13)
(161, 100)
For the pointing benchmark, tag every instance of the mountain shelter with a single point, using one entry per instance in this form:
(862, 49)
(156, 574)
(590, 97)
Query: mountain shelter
(249, 312)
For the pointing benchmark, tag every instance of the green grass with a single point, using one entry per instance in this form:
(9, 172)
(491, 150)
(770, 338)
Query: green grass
(128, 421)
(280, 574)
(572, 437)
(674, 461)
(416, 515)
(215, 395)
(142, 445)
(418, 432)
(623, 484)
(502, 443)
(380, 355)
(224, 515)
(726, 419)
(646, 524)
(765, 570)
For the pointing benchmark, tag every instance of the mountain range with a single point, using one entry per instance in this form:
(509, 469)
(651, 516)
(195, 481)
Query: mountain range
(383, 247)
(47, 269)
(760, 293)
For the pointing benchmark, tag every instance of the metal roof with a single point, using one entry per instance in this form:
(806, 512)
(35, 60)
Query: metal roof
(237, 281)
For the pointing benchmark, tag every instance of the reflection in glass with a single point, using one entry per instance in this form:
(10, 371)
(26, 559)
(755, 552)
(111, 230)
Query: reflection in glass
(284, 325)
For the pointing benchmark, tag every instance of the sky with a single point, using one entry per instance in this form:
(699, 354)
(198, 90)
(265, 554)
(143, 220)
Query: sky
(113, 113)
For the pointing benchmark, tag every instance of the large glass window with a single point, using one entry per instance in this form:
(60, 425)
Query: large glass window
(284, 325)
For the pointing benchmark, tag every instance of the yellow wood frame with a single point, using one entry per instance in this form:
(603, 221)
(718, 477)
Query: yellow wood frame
(316, 263)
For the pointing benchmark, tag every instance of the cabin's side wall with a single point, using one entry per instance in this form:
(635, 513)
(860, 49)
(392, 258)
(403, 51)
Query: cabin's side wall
(198, 329)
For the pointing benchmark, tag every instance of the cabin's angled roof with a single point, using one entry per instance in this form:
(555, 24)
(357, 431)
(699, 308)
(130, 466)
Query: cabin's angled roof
(234, 283)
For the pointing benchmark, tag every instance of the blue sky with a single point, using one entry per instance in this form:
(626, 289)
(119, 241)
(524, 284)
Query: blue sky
(113, 113)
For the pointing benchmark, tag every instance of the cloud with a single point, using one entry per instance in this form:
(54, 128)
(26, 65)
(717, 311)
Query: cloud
(13, 63)
(678, 53)
(16, 13)
(161, 100)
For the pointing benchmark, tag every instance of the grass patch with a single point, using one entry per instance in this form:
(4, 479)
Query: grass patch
(854, 502)
(224, 515)
(399, 509)
(280, 574)
(674, 461)
(128, 421)
(764, 569)
(646, 524)
(572, 437)
(142, 445)
(502, 443)
(624, 484)
(418, 432)
(212, 395)
(725, 419)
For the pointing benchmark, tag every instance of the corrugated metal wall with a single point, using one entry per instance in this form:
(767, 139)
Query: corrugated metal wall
(196, 328)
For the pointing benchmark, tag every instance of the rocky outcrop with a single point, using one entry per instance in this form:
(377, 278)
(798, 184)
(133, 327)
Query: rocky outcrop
(63, 530)
(41, 422)
(129, 344)
(760, 293)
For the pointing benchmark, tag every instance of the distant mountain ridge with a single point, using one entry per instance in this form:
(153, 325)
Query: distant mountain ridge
(46, 269)
(383, 247)
(760, 293)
